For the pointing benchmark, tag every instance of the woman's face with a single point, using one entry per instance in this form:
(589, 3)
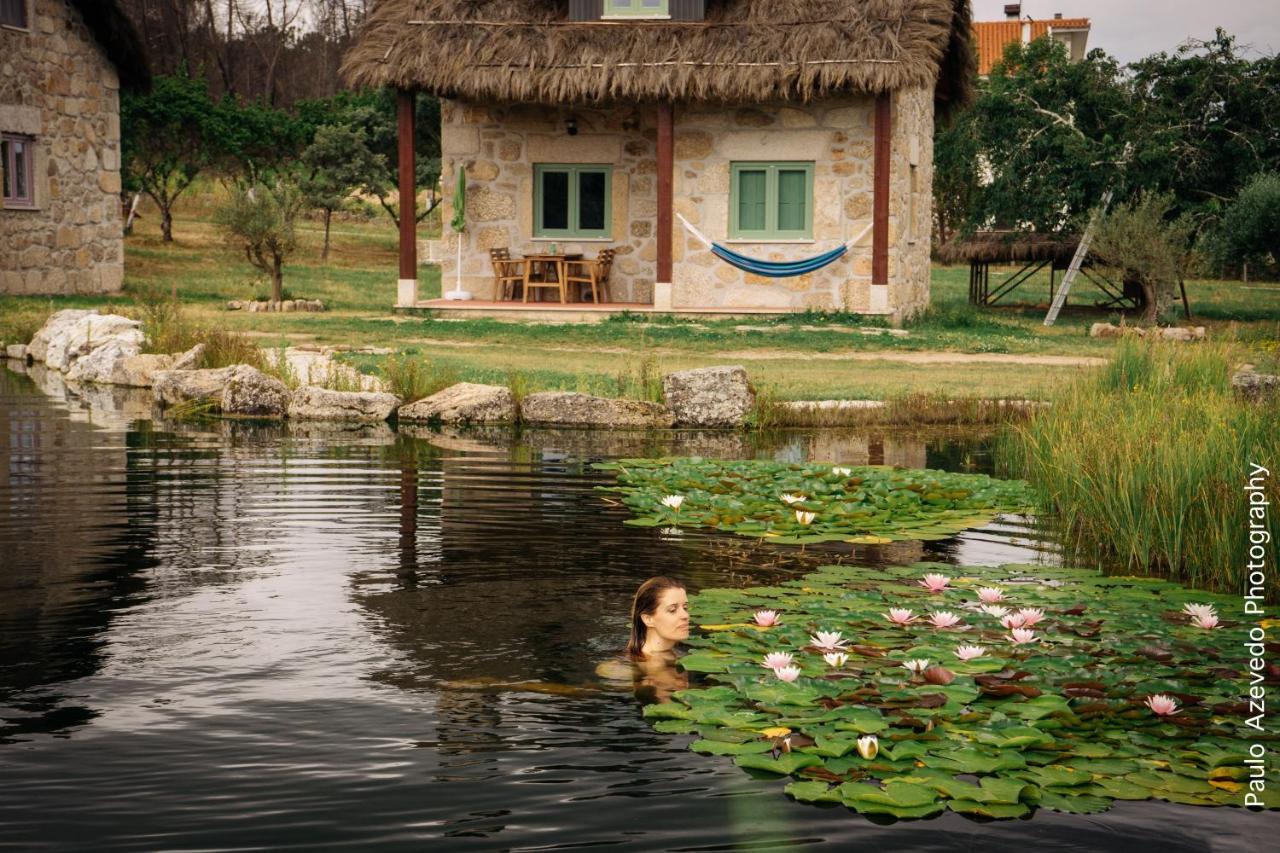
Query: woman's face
(670, 620)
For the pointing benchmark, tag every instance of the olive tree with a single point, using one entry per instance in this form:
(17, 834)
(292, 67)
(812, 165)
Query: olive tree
(259, 218)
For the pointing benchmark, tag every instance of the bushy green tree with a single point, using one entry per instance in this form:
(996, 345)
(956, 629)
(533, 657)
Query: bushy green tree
(260, 219)
(1249, 229)
(1141, 240)
(336, 163)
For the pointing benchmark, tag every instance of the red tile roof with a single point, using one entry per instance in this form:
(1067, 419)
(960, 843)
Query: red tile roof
(993, 36)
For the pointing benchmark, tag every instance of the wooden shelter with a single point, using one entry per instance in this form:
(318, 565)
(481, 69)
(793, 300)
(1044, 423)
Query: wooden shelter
(785, 128)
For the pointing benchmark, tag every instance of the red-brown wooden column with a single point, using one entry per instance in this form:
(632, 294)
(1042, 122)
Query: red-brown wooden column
(880, 192)
(662, 287)
(407, 292)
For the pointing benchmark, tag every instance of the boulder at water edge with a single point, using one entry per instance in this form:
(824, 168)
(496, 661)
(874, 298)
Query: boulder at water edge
(466, 402)
(101, 364)
(17, 352)
(250, 393)
(564, 408)
(314, 403)
(709, 396)
(57, 325)
(175, 387)
(86, 334)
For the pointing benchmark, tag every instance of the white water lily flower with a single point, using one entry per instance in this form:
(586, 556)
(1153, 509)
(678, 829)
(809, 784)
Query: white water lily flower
(673, 501)
(775, 660)
(1022, 636)
(789, 499)
(828, 640)
(842, 472)
(970, 652)
(934, 582)
(1030, 616)
(1013, 620)
(1194, 610)
(868, 746)
(917, 665)
(766, 618)
(990, 594)
(1207, 622)
(995, 610)
(805, 518)
(900, 616)
(835, 659)
(787, 673)
(943, 619)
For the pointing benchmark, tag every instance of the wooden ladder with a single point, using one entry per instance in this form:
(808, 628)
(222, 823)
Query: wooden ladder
(1077, 260)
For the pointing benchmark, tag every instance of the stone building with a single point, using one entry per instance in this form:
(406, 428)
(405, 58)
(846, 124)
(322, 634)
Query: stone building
(778, 130)
(62, 63)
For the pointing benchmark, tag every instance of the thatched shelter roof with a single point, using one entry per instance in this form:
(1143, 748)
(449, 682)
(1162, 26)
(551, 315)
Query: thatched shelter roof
(1007, 247)
(743, 51)
(118, 37)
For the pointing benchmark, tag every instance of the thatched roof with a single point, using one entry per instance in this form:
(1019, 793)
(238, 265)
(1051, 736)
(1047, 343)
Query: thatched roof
(1007, 247)
(118, 37)
(743, 51)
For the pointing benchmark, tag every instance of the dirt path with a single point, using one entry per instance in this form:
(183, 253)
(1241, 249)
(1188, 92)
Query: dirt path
(905, 357)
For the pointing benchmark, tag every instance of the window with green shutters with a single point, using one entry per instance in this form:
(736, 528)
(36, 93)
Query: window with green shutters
(771, 201)
(636, 9)
(572, 200)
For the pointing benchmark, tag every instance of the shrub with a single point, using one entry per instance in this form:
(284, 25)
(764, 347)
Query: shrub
(411, 377)
(260, 220)
(1138, 239)
(1249, 231)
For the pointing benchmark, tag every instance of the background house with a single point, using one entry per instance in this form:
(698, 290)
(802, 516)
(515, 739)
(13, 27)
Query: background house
(62, 63)
(992, 37)
(784, 128)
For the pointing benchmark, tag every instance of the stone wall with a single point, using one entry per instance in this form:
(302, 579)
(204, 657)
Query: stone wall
(498, 146)
(57, 85)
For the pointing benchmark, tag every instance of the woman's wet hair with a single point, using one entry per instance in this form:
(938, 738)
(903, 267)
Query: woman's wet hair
(644, 603)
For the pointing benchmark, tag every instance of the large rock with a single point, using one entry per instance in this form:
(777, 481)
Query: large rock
(1165, 333)
(139, 371)
(101, 364)
(709, 396)
(320, 404)
(564, 408)
(56, 326)
(88, 333)
(466, 402)
(176, 387)
(250, 393)
(17, 352)
(1256, 386)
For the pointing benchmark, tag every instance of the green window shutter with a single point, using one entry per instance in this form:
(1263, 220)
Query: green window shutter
(793, 199)
(572, 200)
(752, 200)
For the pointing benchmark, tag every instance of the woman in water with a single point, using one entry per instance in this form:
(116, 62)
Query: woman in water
(659, 622)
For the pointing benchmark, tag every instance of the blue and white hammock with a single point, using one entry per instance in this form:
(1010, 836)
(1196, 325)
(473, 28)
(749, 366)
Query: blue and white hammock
(773, 269)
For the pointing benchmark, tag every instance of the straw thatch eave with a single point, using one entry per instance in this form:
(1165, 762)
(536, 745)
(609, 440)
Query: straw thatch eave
(744, 51)
(113, 30)
(1009, 247)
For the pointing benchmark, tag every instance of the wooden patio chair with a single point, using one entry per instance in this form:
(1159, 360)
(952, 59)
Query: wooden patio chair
(592, 274)
(508, 273)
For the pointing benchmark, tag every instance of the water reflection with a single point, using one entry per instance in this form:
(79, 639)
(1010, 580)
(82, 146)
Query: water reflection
(223, 635)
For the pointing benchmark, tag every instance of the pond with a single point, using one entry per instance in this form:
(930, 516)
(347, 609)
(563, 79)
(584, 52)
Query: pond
(223, 636)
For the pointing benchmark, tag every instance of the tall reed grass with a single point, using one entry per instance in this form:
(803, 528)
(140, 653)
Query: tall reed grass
(1141, 466)
(169, 329)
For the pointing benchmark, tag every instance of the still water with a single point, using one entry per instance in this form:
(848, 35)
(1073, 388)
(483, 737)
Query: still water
(234, 637)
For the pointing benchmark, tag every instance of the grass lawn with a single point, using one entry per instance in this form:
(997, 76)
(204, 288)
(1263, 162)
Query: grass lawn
(802, 357)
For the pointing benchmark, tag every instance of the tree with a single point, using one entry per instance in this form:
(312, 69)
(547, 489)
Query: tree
(1139, 239)
(168, 138)
(260, 220)
(337, 162)
(1249, 231)
(957, 174)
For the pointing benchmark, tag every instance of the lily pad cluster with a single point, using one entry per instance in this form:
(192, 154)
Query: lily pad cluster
(801, 504)
(1056, 688)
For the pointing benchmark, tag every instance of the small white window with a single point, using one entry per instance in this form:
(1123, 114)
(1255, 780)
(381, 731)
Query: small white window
(636, 9)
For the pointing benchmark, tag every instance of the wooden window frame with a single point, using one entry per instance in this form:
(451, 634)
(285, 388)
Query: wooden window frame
(609, 11)
(27, 13)
(771, 231)
(574, 231)
(27, 202)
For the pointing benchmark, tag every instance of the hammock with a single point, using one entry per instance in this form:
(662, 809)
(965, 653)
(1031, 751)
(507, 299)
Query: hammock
(773, 269)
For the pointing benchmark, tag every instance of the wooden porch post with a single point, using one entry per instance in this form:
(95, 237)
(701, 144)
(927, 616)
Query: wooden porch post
(662, 286)
(880, 192)
(407, 292)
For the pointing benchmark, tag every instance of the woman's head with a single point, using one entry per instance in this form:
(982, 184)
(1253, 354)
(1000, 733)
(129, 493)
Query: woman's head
(660, 610)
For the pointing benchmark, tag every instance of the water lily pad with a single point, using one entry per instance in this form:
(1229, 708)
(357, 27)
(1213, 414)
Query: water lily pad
(784, 765)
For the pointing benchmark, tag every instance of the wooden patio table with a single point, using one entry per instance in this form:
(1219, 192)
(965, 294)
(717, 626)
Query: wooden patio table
(539, 269)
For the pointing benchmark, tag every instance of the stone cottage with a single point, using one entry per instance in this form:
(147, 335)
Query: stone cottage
(778, 130)
(62, 63)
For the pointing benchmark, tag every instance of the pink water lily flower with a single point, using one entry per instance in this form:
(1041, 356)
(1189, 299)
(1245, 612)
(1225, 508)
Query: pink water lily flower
(1194, 610)
(1207, 622)
(969, 652)
(990, 594)
(1031, 615)
(1022, 636)
(1162, 705)
(835, 659)
(900, 616)
(777, 660)
(995, 610)
(787, 673)
(943, 619)
(829, 640)
(805, 518)
(934, 582)
(916, 665)
(790, 499)
(766, 618)
(868, 747)
(1012, 620)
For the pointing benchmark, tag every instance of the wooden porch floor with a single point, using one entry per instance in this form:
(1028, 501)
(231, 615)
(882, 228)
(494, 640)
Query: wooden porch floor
(576, 312)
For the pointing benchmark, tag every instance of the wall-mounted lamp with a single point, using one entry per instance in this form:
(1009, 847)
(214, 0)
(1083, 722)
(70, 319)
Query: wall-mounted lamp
(572, 126)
